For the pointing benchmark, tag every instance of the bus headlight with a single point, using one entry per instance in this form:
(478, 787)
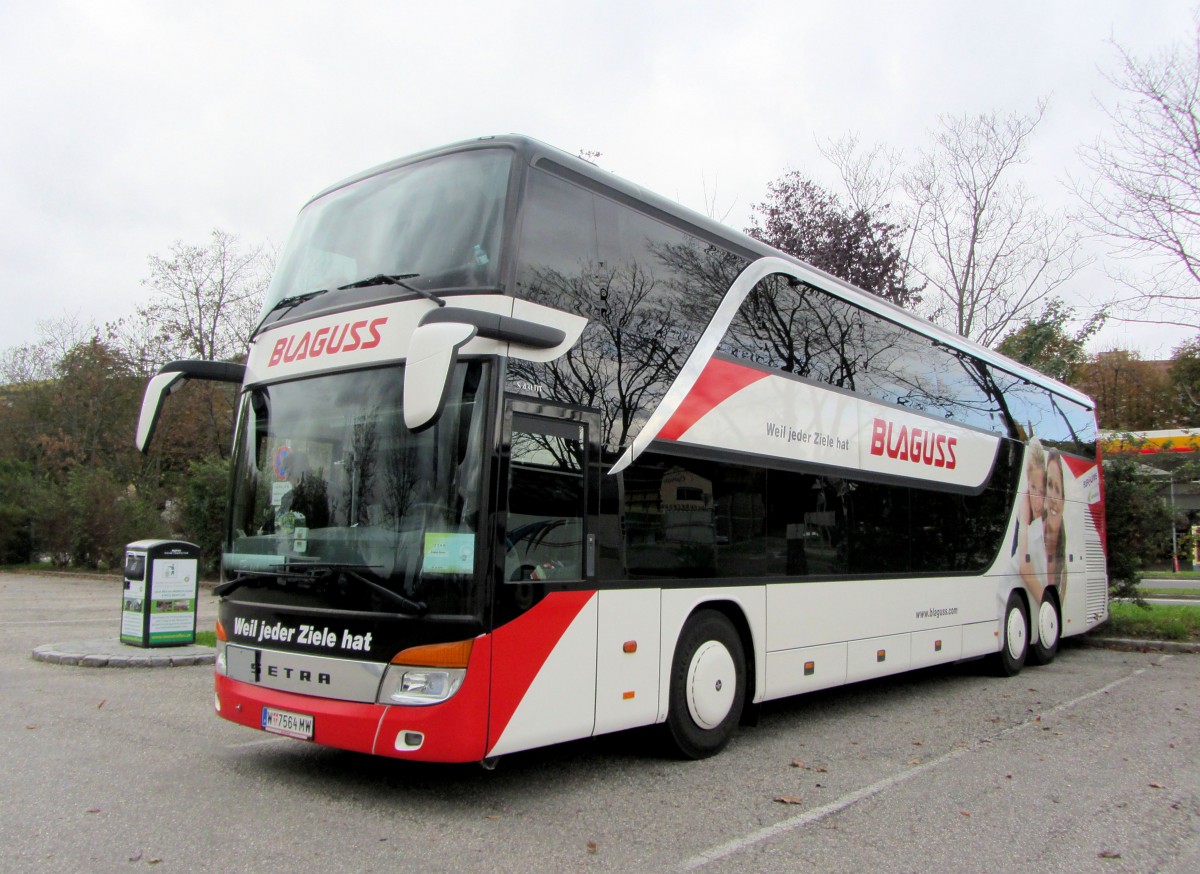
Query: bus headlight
(427, 674)
(405, 684)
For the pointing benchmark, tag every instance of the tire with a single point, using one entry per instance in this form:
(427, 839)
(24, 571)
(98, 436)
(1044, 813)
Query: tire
(708, 686)
(1049, 624)
(1014, 637)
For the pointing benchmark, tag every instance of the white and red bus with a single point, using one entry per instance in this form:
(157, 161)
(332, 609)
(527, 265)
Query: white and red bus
(527, 454)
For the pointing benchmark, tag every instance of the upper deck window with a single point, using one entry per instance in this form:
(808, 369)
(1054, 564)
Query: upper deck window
(440, 219)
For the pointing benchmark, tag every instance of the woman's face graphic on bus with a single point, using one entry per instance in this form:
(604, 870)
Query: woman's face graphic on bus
(1054, 498)
(1037, 489)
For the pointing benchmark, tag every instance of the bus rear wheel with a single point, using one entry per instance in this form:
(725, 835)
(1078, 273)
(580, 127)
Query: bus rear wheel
(708, 686)
(1049, 625)
(1014, 632)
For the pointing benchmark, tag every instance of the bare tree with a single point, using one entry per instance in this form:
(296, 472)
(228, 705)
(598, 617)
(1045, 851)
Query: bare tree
(990, 254)
(36, 361)
(870, 176)
(1145, 186)
(206, 298)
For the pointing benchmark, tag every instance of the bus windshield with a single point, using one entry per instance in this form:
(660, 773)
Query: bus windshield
(333, 494)
(437, 222)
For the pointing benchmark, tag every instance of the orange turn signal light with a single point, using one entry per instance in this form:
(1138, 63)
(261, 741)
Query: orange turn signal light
(221, 635)
(436, 655)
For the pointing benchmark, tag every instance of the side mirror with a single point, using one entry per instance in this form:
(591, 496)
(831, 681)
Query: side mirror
(434, 349)
(169, 379)
(431, 356)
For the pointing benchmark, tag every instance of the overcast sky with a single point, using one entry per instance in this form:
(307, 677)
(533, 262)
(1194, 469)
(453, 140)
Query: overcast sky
(129, 125)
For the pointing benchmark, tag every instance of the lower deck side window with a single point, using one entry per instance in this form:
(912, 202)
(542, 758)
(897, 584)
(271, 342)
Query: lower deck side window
(686, 517)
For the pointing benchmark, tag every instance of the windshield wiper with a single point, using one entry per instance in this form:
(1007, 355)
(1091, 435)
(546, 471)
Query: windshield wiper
(318, 570)
(295, 299)
(395, 279)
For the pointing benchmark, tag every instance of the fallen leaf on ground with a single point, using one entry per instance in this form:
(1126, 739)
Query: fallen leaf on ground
(797, 763)
(592, 848)
(790, 799)
(1108, 854)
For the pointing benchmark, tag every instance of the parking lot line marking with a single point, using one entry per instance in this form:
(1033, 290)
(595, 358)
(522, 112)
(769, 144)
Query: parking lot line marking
(817, 814)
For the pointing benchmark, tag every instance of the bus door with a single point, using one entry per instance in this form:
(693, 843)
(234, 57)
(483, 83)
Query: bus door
(544, 608)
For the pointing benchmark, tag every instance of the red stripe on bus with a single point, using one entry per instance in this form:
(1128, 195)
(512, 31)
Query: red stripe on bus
(520, 649)
(1078, 467)
(718, 381)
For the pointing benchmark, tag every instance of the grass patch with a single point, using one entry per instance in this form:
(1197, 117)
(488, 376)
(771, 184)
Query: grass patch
(206, 638)
(1154, 622)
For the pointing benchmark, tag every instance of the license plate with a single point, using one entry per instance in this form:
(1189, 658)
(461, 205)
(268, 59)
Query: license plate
(285, 722)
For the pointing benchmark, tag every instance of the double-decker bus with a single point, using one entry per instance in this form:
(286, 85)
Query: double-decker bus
(526, 453)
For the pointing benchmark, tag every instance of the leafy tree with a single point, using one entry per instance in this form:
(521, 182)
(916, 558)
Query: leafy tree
(803, 219)
(1138, 522)
(16, 522)
(1145, 187)
(1044, 343)
(1130, 394)
(1185, 382)
(104, 515)
(204, 508)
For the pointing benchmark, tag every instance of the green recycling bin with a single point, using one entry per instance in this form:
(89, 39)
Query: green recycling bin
(158, 600)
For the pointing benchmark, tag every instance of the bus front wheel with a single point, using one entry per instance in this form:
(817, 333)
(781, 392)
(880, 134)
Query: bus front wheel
(1014, 632)
(708, 686)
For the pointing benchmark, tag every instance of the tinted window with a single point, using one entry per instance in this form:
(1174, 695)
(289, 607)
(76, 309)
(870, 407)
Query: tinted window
(544, 537)
(685, 517)
(1056, 421)
(646, 288)
(802, 330)
(440, 219)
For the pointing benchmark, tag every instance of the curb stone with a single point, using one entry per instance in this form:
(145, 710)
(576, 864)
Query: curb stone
(111, 653)
(1124, 643)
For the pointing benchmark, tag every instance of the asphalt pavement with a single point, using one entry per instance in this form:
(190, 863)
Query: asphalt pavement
(1087, 764)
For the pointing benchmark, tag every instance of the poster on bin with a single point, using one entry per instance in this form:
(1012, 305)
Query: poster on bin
(173, 600)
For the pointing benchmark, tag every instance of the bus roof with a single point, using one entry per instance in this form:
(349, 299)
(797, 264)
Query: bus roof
(536, 153)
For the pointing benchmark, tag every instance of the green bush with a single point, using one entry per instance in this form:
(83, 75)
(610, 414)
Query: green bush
(204, 509)
(103, 515)
(16, 538)
(1138, 522)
